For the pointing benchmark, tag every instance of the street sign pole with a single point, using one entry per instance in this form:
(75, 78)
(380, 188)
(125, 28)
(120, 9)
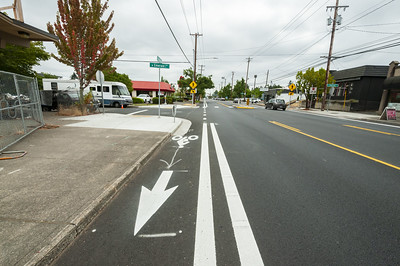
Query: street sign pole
(100, 78)
(159, 91)
(159, 65)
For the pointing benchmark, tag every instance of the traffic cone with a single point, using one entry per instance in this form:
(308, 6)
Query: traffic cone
(122, 106)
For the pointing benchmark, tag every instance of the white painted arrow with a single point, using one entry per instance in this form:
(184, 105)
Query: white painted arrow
(151, 200)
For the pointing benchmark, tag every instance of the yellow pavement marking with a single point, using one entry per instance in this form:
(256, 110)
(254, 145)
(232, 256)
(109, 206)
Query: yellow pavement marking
(376, 131)
(244, 107)
(335, 145)
(224, 104)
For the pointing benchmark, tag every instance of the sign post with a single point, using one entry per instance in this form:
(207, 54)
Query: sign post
(291, 87)
(159, 65)
(100, 78)
(193, 85)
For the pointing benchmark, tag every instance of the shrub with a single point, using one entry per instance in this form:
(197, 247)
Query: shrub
(137, 100)
(170, 100)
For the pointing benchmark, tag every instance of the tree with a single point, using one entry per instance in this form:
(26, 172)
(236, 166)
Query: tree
(225, 92)
(312, 78)
(202, 82)
(20, 60)
(111, 74)
(83, 38)
(256, 93)
(238, 89)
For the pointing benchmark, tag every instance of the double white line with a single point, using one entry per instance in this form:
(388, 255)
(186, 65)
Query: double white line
(204, 253)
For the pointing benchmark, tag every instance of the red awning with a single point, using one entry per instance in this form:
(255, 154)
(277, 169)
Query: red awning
(151, 86)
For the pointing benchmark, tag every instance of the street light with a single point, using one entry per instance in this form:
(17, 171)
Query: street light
(224, 80)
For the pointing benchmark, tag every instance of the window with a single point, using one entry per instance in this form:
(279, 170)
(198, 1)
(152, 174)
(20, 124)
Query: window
(54, 86)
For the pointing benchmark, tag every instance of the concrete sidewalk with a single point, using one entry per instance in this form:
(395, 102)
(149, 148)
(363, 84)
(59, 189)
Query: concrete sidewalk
(72, 168)
(363, 116)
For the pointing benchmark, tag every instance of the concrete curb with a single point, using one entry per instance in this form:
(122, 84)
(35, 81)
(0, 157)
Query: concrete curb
(67, 235)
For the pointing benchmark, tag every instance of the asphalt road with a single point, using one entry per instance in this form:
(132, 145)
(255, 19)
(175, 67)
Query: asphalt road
(287, 189)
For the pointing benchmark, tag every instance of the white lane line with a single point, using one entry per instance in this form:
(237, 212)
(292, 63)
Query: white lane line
(204, 249)
(15, 171)
(247, 246)
(157, 235)
(141, 111)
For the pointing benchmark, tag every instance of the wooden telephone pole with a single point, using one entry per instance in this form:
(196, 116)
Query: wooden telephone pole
(195, 60)
(336, 7)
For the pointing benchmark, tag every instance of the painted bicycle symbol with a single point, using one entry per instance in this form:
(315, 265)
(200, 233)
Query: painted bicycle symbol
(182, 141)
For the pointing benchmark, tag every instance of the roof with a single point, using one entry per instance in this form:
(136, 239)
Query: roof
(19, 33)
(362, 71)
(151, 86)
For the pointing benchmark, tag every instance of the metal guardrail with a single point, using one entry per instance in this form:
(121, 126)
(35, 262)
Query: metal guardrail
(20, 108)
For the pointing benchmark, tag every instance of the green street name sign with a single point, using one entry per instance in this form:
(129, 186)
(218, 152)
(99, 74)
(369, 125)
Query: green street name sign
(332, 85)
(158, 65)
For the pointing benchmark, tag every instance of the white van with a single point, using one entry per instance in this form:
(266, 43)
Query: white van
(115, 93)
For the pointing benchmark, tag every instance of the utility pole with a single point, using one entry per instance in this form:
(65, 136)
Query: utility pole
(201, 69)
(336, 7)
(233, 73)
(195, 60)
(266, 80)
(247, 75)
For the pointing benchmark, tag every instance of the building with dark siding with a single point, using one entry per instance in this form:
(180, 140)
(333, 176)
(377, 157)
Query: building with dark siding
(360, 87)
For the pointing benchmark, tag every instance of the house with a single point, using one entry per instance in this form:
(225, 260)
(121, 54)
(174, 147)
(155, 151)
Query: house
(151, 88)
(360, 88)
(391, 88)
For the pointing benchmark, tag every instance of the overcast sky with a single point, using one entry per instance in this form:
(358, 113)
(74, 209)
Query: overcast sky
(280, 36)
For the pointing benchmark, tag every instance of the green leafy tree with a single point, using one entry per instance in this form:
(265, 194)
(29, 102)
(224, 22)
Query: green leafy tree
(111, 74)
(225, 92)
(20, 60)
(84, 38)
(311, 78)
(164, 80)
(256, 93)
(202, 82)
(238, 89)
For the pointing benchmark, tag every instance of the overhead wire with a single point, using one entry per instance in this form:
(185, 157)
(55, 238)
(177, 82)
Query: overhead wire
(187, 22)
(172, 32)
(288, 25)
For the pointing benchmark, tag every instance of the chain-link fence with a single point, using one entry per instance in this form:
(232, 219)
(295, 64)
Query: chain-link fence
(20, 108)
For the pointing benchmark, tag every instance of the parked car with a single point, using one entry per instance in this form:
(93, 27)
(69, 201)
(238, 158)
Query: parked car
(276, 104)
(236, 100)
(145, 97)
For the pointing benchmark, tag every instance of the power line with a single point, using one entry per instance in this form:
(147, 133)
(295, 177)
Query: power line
(187, 23)
(374, 8)
(288, 25)
(166, 21)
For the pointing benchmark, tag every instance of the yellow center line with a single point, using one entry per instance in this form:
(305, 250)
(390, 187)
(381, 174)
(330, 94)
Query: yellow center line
(376, 131)
(224, 105)
(335, 145)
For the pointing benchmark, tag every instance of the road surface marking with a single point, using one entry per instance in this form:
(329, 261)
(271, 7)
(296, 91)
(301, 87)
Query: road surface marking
(247, 246)
(335, 145)
(138, 112)
(151, 200)
(204, 249)
(13, 172)
(376, 131)
(157, 235)
(225, 105)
